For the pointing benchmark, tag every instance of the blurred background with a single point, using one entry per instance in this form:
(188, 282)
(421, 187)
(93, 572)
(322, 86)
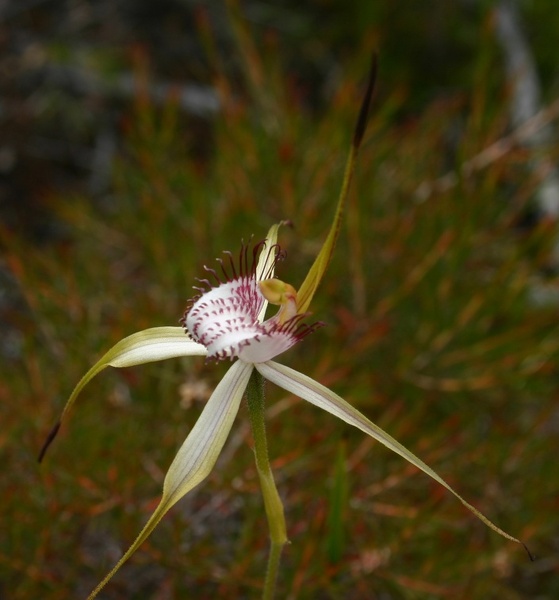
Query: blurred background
(138, 140)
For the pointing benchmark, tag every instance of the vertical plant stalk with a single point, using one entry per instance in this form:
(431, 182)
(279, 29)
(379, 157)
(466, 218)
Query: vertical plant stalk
(272, 501)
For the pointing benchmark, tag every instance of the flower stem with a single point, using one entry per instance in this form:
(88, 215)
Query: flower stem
(272, 501)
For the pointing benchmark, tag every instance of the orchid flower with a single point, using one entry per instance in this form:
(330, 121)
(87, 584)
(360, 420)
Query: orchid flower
(226, 321)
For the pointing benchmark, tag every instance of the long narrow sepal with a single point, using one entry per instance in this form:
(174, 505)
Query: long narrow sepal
(316, 272)
(149, 345)
(321, 396)
(266, 260)
(198, 454)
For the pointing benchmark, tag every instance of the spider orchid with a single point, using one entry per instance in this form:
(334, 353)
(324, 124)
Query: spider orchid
(226, 320)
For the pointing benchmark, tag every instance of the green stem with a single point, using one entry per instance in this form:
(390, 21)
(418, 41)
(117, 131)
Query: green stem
(272, 501)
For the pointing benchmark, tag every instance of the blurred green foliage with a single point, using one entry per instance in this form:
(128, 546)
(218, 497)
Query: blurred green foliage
(432, 331)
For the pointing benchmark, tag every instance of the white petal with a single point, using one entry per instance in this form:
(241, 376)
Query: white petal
(201, 448)
(264, 268)
(321, 396)
(266, 259)
(198, 454)
(151, 345)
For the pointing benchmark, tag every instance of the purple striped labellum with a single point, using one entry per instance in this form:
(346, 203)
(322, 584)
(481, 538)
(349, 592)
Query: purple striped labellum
(226, 317)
